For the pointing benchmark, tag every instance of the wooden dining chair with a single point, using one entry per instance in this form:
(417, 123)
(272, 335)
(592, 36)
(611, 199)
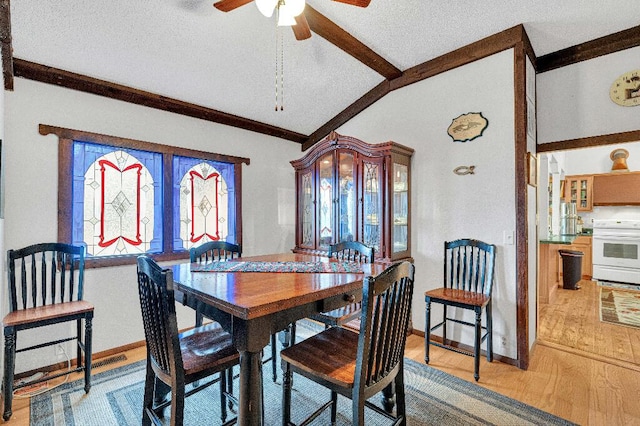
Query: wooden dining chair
(178, 359)
(360, 364)
(468, 280)
(46, 283)
(213, 251)
(350, 251)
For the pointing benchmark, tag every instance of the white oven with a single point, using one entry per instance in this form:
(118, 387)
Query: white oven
(616, 250)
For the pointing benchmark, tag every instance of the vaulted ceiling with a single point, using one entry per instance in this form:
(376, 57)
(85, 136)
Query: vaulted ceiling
(223, 65)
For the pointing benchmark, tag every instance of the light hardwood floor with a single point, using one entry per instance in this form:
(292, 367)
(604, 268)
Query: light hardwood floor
(573, 320)
(579, 388)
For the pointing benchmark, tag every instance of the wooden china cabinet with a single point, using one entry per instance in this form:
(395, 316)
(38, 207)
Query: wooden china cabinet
(350, 190)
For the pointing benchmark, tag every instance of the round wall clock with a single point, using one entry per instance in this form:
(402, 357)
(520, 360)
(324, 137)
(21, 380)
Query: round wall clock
(625, 90)
(467, 127)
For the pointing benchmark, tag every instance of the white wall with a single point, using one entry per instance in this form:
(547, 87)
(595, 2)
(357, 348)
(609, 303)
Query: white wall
(31, 191)
(595, 160)
(446, 206)
(573, 101)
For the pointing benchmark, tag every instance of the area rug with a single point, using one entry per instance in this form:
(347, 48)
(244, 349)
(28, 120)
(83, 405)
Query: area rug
(619, 285)
(620, 306)
(433, 398)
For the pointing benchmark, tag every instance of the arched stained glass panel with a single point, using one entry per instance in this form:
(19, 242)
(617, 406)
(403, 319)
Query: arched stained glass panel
(205, 195)
(117, 210)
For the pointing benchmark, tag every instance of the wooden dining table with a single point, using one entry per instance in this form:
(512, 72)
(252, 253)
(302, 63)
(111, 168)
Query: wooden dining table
(253, 305)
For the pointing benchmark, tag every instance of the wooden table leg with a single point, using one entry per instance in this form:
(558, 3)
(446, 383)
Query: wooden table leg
(251, 412)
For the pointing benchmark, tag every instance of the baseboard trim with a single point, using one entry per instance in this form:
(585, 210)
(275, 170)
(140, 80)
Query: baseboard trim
(497, 357)
(96, 357)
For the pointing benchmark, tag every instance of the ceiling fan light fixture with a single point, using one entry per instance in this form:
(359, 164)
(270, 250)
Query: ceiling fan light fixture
(266, 7)
(285, 19)
(296, 7)
(288, 10)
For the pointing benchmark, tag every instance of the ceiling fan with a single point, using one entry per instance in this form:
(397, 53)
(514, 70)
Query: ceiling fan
(290, 12)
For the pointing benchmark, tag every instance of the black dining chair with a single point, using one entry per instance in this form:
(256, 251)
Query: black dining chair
(360, 364)
(176, 359)
(351, 251)
(468, 281)
(213, 251)
(46, 284)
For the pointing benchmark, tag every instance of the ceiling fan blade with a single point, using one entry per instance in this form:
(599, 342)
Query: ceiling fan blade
(301, 28)
(229, 5)
(360, 3)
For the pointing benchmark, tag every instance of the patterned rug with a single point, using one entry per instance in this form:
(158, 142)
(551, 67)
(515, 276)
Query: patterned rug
(433, 398)
(620, 306)
(310, 267)
(619, 285)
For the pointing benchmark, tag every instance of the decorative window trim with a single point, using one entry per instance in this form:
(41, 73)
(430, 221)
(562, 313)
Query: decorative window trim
(65, 182)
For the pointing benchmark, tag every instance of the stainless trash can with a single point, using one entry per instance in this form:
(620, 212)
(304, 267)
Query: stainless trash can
(571, 268)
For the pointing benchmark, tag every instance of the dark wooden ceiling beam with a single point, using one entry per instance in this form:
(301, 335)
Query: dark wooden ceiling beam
(6, 48)
(472, 52)
(327, 29)
(591, 49)
(590, 141)
(361, 104)
(69, 80)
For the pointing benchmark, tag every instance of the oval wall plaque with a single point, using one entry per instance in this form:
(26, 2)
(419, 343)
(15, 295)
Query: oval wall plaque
(467, 127)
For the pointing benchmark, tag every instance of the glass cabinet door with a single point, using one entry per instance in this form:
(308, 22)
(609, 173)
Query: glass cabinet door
(400, 237)
(325, 201)
(372, 205)
(583, 194)
(578, 190)
(307, 216)
(346, 197)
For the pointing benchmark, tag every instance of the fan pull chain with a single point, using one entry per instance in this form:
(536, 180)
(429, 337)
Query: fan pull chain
(280, 68)
(277, 36)
(281, 72)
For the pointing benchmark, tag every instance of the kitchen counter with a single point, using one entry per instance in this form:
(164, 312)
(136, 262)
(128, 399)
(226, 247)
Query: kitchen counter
(563, 239)
(558, 239)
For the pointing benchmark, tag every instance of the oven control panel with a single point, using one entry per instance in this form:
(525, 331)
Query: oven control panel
(616, 224)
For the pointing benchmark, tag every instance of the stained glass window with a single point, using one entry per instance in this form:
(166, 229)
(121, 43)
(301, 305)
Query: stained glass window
(117, 200)
(122, 197)
(204, 195)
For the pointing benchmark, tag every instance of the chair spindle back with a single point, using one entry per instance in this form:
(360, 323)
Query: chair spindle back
(386, 310)
(214, 251)
(157, 303)
(352, 251)
(469, 265)
(45, 274)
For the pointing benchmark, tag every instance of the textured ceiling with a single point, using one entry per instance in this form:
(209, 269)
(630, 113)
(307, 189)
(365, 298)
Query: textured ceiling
(188, 50)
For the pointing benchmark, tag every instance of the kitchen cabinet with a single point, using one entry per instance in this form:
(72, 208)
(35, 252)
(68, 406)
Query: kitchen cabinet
(350, 190)
(579, 189)
(616, 189)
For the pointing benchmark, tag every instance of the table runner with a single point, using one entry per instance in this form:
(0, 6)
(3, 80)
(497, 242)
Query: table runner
(312, 267)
